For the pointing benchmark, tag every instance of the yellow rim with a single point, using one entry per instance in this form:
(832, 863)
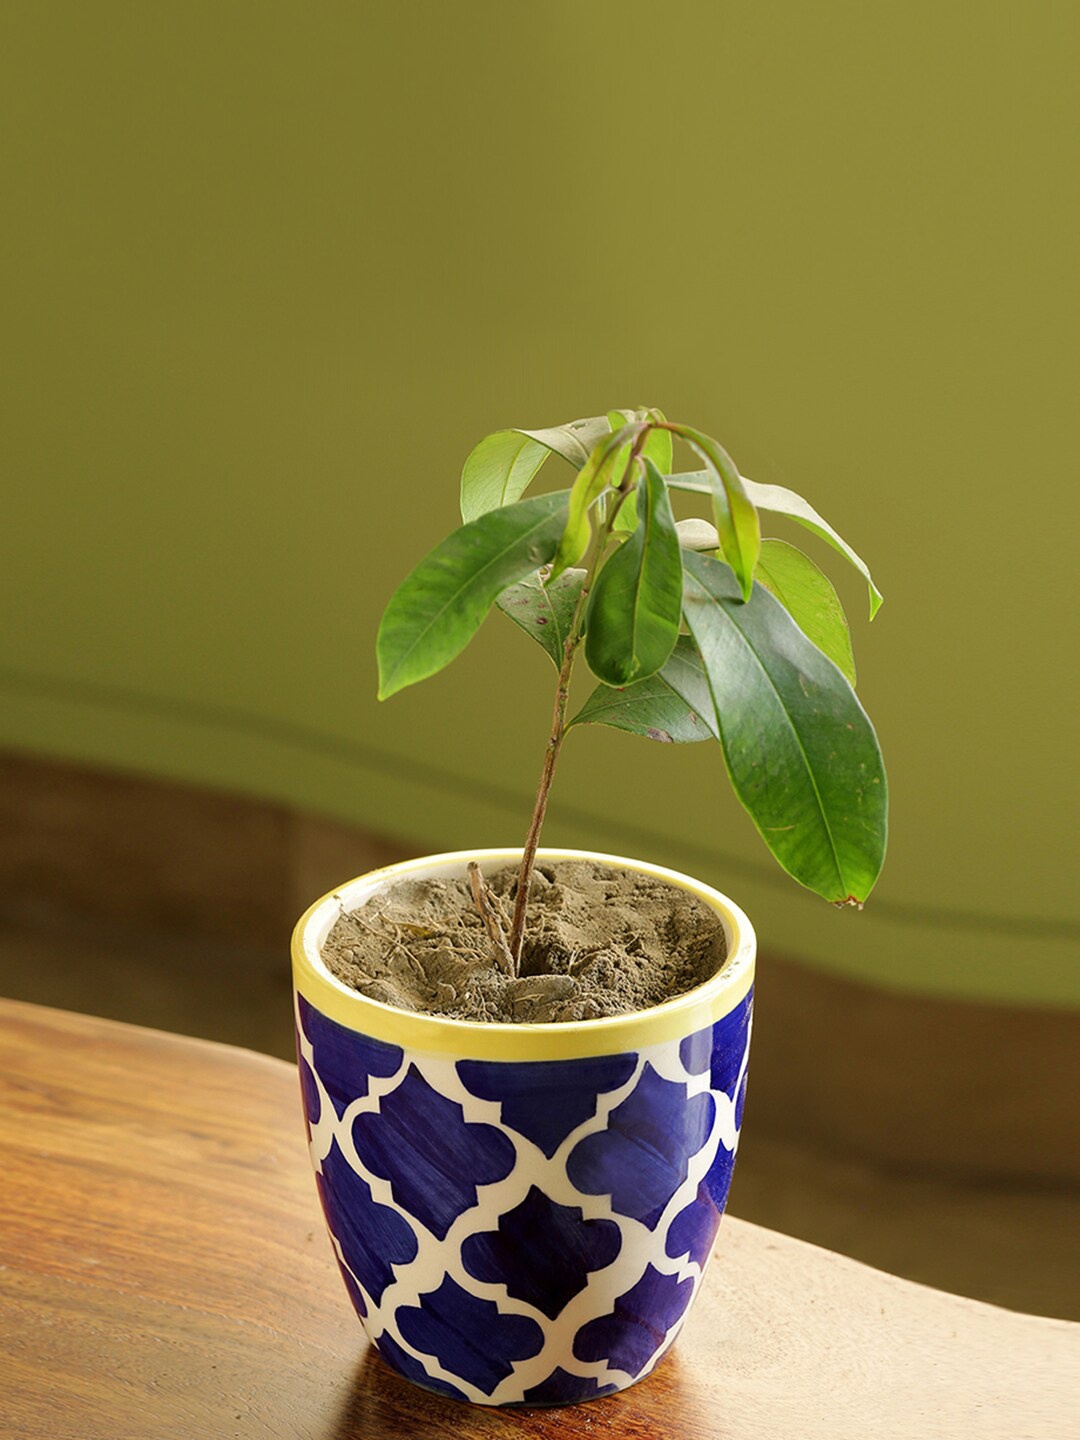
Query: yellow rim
(435, 1034)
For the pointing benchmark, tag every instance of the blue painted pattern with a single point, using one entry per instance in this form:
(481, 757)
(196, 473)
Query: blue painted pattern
(511, 1235)
(405, 1364)
(471, 1337)
(347, 1061)
(693, 1230)
(546, 1100)
(356, 1295)
(562, 1388)
(373, 1237)
(542, 1252)
(433, 1157)
(630, 1336)
(643, 1155)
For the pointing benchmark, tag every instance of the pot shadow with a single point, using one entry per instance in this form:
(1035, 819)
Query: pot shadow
(381, 1405)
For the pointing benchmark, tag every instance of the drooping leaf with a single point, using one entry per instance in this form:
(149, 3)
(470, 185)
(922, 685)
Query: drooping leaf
(438, 608)
(544, 610)
(785, 502)
(734, 513)
(657, 448)
(626, 517)
(778, 501)
(673, 706)
(807, 594)
(604, 467)
(500, 467)
(801, 752)
(658, 444)
(575, 440)
(636, 601)
(497, 472)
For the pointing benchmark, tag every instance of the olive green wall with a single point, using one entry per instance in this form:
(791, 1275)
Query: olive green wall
(269, 270)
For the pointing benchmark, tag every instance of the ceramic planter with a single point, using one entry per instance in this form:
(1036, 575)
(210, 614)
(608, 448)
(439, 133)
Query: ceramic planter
(522, 1214)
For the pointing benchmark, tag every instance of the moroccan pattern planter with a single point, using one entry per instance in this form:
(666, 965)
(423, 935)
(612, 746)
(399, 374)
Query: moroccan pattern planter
(522, 1214)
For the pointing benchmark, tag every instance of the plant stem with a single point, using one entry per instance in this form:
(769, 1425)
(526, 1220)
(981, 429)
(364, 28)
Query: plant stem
(551, 756)
(558, 721)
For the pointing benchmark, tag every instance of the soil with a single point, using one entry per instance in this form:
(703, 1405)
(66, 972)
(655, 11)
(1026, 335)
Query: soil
(598, 941)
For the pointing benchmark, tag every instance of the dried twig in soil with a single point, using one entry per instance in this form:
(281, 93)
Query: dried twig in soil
(490, 912)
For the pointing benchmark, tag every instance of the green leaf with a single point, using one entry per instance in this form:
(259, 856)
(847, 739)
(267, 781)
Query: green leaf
(636, 601)
(626, 516)
(658, 445)
(600, 470)
(801, 752)
(779, 501)
(498, 470)
(574, 441)
(785, 502)
(544, 611)
(657, 448)
(438, 608)
(500, 467)
(673, 706)
(735, 516)
(809, 598)
(685, 674)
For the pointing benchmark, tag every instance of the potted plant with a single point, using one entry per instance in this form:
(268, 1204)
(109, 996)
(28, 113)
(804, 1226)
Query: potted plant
(523, 1071)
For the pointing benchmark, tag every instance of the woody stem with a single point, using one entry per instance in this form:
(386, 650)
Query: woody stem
(558, 721)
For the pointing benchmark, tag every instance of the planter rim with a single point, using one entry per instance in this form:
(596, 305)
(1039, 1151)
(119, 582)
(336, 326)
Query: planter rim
(680, 1016)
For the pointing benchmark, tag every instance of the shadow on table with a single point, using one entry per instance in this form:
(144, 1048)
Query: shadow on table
(382, 1406)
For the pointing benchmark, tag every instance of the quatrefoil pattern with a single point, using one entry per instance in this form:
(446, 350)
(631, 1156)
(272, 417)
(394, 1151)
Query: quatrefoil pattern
(523, 1232)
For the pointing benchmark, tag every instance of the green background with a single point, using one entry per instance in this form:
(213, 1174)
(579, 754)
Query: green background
(269, 271)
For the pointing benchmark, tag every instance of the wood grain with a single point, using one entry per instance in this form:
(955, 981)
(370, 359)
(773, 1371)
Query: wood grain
(165, 1275)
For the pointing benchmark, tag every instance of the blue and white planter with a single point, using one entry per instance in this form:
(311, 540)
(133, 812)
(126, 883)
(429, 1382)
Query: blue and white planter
(522, 1214)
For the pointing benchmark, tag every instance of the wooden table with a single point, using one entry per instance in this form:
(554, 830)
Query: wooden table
(164, 1273)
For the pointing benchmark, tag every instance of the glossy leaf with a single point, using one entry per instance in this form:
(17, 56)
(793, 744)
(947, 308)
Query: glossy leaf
(657, 448)
(734, 513)
(500, 467)
(497, 472)
(604, 467)
(785, 502)
(807, 594)
(658, 445)
(801, 752)
(574, 441)
(636, 601)
(626, 517)
(778, 501)
(438, 608)
(544, 610)
(673, 706)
